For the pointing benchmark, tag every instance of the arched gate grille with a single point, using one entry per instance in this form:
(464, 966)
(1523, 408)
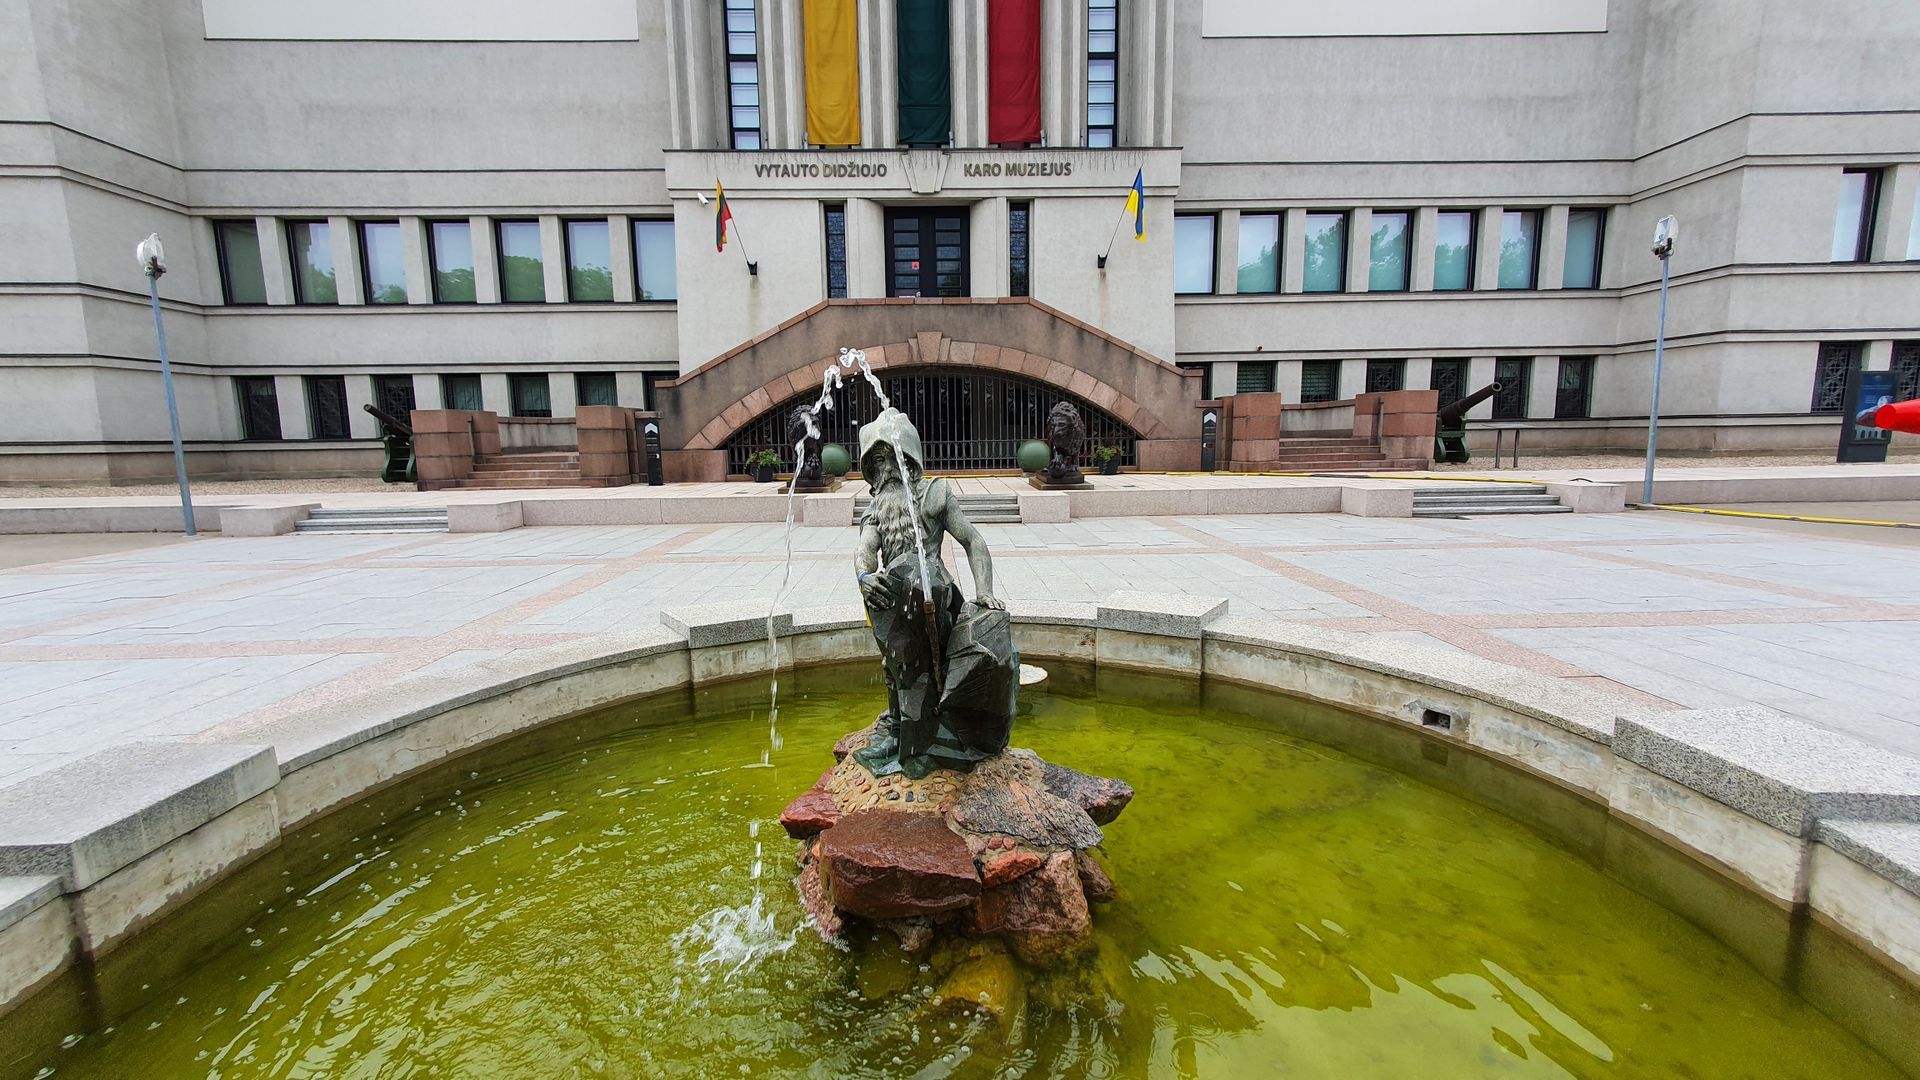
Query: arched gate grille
(968, 420)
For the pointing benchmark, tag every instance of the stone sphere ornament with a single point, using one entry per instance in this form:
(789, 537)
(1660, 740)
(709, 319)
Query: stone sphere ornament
(1033, 456)
(835, 459)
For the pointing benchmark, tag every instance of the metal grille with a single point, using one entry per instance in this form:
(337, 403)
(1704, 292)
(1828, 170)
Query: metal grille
(1906, 370)
(1319, 380)
(393, 395)
(1836, 363)
(1253, 377)
(327, 405)
(968, 421)
(1386, 376)
(259, 407)
(1449, 377)
(1573, 396)
(1513, 375)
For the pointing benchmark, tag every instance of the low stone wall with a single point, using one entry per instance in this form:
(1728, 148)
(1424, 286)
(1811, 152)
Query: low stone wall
(1806, 820)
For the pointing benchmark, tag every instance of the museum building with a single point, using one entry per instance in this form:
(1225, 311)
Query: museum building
(690, 207)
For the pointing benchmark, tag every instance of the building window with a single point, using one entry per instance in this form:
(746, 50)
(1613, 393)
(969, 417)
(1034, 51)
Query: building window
(1103, 68)
(1853, 222)
(1519, 248)
(383, 269)
(1573, 396)
(327, 406)
(450, 253)
(523, 270)
(1386, 376)
(1192, 254)
(835, 218)
(1326, 253)
(1906, 370)
(259, 407)
(1319, 381)
(595, 388)
(1259, 270)
(589, 262)
(310, 246)
(1254, 377)
(460, 392)
(393, 395)
(1388, 249)
(1453, 237)
(653, 261)
(1449, 379)
(649, 386)
(1586, 230)
(241, 279)
(1206, 376)
(529, 395)
(1837, 362)
(743, 74)
(1510, 403)
(1018, 216)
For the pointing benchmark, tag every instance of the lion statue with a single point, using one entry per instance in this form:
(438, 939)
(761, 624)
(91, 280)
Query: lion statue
(1066, 434)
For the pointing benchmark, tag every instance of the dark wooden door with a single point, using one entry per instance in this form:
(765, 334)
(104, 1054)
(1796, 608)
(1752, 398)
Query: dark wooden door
(927, 252)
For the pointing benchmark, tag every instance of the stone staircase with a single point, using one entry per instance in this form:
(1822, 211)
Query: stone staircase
(526, 469)
(396, 519)
(980, 509)
(1475, 500)
(1336, 453)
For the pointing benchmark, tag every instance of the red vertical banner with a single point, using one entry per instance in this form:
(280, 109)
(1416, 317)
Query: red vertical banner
(1013, 71)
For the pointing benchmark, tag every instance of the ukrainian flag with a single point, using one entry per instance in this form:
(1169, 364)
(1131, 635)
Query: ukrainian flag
(1137, 204)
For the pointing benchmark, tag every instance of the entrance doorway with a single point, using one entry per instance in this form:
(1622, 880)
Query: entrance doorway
(927, 252)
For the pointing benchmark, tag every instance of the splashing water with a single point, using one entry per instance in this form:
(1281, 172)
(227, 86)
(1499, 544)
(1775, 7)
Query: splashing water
(736, 938)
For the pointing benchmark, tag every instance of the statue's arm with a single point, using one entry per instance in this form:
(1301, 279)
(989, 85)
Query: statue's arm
(866, 560)
(975, 545)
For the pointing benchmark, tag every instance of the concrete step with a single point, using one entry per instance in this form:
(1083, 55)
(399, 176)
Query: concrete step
(528, 474)
(1484, 500)
(571, 461)
(487, 483)
(1478, 491)
(1467, 511)
(1317, 440)
(392, 519)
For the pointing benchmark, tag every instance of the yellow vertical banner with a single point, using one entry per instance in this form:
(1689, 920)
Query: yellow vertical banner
(832, 31)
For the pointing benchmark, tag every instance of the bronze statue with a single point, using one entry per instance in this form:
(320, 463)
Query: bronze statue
(952, 672)
(1066, 434)
(804, 432)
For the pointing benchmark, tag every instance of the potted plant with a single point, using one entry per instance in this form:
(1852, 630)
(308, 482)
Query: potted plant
(1108, 458)
(763, 462)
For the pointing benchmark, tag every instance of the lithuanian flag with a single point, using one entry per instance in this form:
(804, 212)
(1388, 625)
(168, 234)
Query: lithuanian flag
(722, 214)
(1137, 204)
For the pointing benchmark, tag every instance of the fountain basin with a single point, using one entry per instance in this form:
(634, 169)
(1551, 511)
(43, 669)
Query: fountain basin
(1513, 745)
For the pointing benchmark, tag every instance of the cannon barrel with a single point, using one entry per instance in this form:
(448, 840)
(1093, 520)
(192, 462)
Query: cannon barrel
(1452, 414)
(395, 426)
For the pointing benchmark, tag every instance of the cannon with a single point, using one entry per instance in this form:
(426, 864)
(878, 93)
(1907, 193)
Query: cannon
(397, 437)
(1450, 425)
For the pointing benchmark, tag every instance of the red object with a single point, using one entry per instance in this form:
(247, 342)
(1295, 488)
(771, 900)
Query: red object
(1013, 71)
(1899, 416)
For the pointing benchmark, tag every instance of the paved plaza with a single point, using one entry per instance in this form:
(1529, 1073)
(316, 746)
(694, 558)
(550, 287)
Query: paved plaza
(212, 637)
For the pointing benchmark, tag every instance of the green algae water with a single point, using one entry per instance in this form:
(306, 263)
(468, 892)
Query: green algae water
(1285, 909)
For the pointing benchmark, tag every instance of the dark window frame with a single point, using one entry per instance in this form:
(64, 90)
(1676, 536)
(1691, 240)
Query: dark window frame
(1240, 376)
(566, 257)
(1111, 131)
(380, 384)
(1279, 253)
(1869, 212)
(247, 432)
(1516, 394)
(1533, 266)
(1599, 246)
(345, 418)
(1399, 369)
(928, 217)
(649, 386)
(1575, 403)
(1473, 245)
(500, 258)
(1213, 254)
(1906, 370)
(1346, 241)
(446, 386)
(726, 36)
(830, 213)
(1852, 354)
(1020, 248)
(639, 282)
(293, 263)
(515, 380)
(221, 253)
(366, 264)
(433, 260)
(580, 380)
(1406, 248)
(1461, 373)
(1332, 368)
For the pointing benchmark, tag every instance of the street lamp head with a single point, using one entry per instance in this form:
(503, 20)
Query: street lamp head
(1663, 236)
(151, 256)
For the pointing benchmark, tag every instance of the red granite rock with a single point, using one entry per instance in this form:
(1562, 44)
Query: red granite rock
(1093, 878)
(1004, 866)
(887, 864)
(1101, 798)
(1043, 914)
(812, 813)
(813, 897)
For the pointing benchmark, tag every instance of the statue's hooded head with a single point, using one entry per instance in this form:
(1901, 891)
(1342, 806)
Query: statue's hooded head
(877, 441)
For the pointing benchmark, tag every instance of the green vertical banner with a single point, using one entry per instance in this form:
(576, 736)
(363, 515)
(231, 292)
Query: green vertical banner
(926, 73)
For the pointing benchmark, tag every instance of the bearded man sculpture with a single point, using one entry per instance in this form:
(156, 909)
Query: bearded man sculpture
(953, 675)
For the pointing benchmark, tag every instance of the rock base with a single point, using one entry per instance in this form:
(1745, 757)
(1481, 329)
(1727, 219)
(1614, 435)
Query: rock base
(1000, 852)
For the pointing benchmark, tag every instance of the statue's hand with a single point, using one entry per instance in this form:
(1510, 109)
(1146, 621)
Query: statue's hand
(988, 600)
(874, 589)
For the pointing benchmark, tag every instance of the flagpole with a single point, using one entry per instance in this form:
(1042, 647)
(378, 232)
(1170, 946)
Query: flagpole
(1139, 209)
(753, 268)
(1116, 235)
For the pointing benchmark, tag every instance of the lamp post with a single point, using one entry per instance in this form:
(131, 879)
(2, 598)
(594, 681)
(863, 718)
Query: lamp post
(1663, 236)
(151, 259)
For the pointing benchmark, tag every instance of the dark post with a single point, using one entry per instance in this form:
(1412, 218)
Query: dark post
(1209, 439)
(1860, 438)
(653, 454)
